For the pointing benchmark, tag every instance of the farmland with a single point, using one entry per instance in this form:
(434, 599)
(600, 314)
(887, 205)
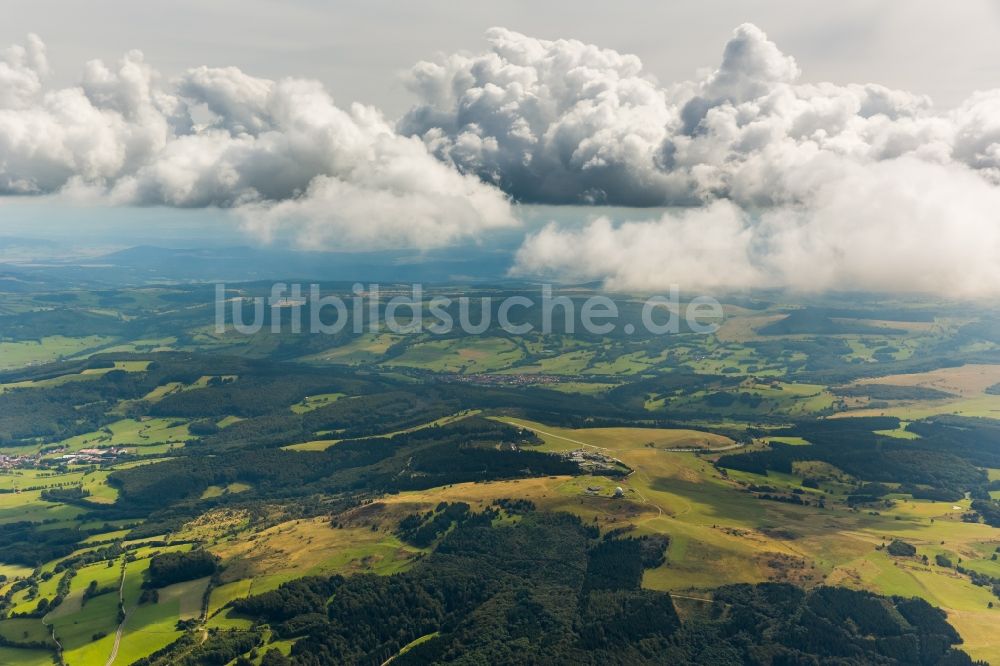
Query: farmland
(753, 453)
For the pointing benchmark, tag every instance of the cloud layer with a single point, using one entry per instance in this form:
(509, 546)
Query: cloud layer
(279, 152)
(564, 122)
(896, 226)
(777, 183)
(811, 186)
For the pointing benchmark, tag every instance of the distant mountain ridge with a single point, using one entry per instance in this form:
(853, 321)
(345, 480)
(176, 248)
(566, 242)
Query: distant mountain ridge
(144, 264)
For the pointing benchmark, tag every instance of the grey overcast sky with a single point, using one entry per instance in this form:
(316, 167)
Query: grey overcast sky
(356, 49)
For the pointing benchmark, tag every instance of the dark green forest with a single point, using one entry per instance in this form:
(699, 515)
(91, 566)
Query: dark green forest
(549, 589)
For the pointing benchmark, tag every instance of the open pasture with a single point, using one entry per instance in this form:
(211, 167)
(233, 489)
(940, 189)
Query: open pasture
(309, 547)
(23, 353)
(465, 355)
(149, 434)
(721, 534)
(366, 348)
(968, 383)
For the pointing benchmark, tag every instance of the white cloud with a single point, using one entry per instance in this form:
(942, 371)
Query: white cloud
(549, 121)
(707, 247)
(902, 225)
(786, 184)
(281, 153)
(812, 186)
(21, 71)
(566, 122)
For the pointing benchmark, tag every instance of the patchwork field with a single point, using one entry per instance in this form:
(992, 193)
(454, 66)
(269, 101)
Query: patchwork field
(468, 355)
(50, 348)
(274, 453)
(966, 380)
(719, 534)
(967, 383)
(152, 435)
(324, 444)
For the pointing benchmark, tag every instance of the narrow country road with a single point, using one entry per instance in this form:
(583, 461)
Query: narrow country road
(549, 434)
(55, 639)
(735, 445)
(121, 625)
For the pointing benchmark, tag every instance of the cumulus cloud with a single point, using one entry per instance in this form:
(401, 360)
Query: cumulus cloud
(903, 225)
(709, 247)
(20, 70)
(281, 153)
(548, 121)
(566, 122)
(790, 184)
(779, 183)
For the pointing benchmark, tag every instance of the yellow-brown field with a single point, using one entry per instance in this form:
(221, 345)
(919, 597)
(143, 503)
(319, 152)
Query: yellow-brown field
(967, 383)
(311, 547)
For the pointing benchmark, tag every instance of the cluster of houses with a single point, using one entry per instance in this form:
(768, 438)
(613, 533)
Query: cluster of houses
(15, 462)
(490, 379)
(617, 493)
(597, 463)
(92, 456)
(81, 457)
